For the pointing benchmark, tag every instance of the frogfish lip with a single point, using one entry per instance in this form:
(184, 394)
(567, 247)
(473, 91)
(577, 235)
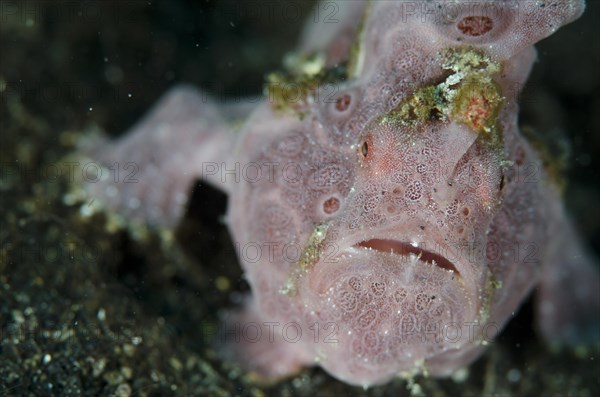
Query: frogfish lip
(406, 249)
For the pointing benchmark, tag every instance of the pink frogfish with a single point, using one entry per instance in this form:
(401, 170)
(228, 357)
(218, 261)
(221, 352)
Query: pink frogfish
(386, 186)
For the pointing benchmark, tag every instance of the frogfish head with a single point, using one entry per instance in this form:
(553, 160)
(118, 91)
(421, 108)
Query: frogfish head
(403, 275)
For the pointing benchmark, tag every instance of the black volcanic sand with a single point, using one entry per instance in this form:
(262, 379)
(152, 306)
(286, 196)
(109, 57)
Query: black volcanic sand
(87, 309)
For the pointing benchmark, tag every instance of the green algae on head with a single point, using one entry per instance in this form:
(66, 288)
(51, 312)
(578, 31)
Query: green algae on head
(311, 255)
(468, 95)
(289, 90)
(477, 99)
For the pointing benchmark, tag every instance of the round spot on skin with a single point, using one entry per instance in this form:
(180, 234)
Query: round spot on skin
(371, 203)
(355, 283)
(347, 301)
(466, 211)
(374, 219)
(400, 295)
(475, 25)
(331, 205)
(367, 319)
(414, 191)
(378, 288)
(452, 208)
(371, 341)
(461, 230)
(422, 301)
(343, 102)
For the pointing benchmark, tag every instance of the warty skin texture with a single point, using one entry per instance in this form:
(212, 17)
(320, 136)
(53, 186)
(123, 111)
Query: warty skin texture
(403, 218)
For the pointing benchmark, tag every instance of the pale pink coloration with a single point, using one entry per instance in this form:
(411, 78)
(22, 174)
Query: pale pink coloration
(418, 242)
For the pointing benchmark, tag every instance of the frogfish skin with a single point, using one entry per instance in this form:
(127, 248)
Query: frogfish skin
(399, 214)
